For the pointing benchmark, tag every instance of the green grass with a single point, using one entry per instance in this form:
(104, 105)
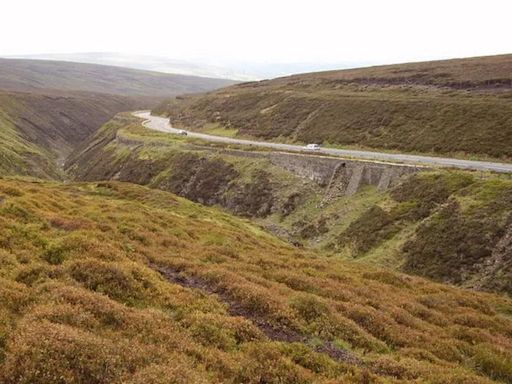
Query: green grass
(82, 300)
(402, 228)
(21, 157)
(39, 130)
(217, 130)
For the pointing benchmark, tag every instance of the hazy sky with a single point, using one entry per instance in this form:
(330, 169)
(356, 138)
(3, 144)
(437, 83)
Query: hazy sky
(261, 30)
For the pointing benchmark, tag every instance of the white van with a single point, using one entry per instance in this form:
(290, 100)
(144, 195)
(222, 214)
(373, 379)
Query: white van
(312, 147)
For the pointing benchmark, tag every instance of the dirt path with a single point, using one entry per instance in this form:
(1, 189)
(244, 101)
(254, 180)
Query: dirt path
(283, 334)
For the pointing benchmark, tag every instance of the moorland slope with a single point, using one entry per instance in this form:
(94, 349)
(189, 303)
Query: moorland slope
(38, 131)
(109, 282)
(33, 75)
(47, 108)
(450, 226)
(112, 282)
(456, 107)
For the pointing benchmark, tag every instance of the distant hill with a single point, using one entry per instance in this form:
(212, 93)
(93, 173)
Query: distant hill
(34, 75)
(456, 107)
(216, 68)
(487, 72)
(49, 107)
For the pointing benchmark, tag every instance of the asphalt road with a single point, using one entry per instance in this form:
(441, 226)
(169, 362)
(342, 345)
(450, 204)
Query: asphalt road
(162, 124)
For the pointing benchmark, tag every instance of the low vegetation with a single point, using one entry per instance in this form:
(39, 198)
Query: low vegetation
(247, 185)
(63, 77)
(102, 281)
(37, 131)
(462, 228)
(450, 226)
(112, 282)
(456, 107)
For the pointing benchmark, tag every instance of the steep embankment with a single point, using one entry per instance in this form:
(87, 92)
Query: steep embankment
(47, 108)
(455, 107)
(448, 226)
(38, 131)
(116, 283)
(247, 185)
(445, 225)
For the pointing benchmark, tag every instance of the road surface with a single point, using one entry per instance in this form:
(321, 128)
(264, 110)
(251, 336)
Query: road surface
(162, 124)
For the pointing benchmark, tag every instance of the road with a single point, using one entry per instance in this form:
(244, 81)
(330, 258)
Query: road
(162, 124)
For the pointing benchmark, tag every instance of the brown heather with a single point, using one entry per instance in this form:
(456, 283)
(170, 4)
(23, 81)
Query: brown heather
(116, 283)
(450, 226)
(455, 107)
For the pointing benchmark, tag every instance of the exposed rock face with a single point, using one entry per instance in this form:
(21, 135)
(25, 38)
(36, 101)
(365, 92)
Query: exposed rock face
(500, 264)
(203, 174)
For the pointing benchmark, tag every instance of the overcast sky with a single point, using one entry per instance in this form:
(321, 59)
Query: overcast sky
(261, 30)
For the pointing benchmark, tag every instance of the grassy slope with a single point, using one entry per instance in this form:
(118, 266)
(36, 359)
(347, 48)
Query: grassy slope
(47, 108)
(124, 150)
(32, 75)
(448, 226)
(19, 156)
(82, 301)
(455, 107)
(38, 130)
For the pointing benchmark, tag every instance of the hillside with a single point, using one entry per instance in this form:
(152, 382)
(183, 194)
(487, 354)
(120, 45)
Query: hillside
(456, 107)
(38, 131)
(111, 283)
(34, 75)
(225, 69)
(47, 108)
(449, 226)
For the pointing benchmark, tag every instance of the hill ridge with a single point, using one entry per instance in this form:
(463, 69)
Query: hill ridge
(458, 108)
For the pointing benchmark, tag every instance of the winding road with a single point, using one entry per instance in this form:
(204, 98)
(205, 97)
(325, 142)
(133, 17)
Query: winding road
(162, 124)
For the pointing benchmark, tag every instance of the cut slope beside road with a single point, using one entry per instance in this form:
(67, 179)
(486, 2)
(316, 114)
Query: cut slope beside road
(162, 124)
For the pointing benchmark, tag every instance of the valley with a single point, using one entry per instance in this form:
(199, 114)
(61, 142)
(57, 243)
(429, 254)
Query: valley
(133, 253)
(48, 108)
(396, 216)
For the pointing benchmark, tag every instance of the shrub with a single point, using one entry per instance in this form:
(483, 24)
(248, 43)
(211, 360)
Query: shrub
(263, 363)
(213, 330)
(30, 274)
(315, 362)
(50, 353)
(369, 230)
(54, 254)
(177, 370)
(494, 363)
(110, 279)
(309, 308)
